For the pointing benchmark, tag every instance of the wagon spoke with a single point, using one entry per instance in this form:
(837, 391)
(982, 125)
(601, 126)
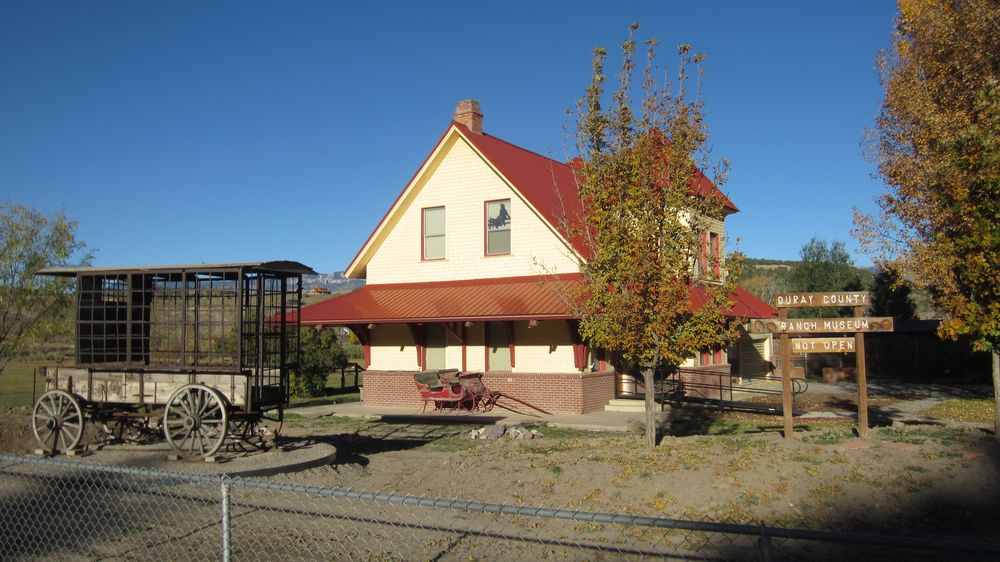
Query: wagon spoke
(45, 404)
(194, 438)
(203, 404)
(183, 401)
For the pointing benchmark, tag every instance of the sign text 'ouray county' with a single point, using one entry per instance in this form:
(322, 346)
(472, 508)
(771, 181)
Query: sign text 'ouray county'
(839, 298)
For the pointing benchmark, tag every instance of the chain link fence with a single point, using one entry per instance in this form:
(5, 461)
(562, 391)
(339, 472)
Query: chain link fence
(72, 510)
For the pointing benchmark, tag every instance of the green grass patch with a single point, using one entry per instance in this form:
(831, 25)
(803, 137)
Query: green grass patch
(902, 436)
(919, 435)
(16, 382)
(964, 409)
(806, 459)
(326, 400)
(335, 382)
(828, 437)
(561, 432)
(452, 444)
(341, 423)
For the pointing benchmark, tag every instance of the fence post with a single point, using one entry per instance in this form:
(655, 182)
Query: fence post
(227, 549)
(764, 544)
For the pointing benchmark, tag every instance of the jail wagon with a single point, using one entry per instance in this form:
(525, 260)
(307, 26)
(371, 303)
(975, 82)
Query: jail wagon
(202, 352)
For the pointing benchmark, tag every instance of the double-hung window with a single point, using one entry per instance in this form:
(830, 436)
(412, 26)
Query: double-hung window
(433, 226)
(498, 227)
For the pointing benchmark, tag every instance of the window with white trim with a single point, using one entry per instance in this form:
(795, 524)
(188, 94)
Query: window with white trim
(498, 227)
(433, 226)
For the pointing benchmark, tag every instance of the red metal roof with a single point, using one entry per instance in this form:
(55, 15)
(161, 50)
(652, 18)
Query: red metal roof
(511, 298)
(745, 304)
(548, 185)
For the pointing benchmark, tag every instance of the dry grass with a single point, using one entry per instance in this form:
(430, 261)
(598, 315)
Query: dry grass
(964, 409)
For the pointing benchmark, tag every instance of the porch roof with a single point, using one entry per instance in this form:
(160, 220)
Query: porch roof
(510, 298)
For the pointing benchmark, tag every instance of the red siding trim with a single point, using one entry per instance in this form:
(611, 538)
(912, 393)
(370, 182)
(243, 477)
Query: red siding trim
(465, 338)
(364, 335)
(417, 331)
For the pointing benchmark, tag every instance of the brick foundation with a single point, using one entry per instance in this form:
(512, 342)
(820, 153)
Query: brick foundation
(709, 382)
(558, 393)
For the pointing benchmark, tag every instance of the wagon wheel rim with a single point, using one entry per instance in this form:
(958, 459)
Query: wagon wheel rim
(196, 420)
(57, 421)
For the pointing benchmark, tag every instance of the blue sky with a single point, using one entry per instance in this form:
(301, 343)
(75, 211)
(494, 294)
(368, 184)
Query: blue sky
(179, 132)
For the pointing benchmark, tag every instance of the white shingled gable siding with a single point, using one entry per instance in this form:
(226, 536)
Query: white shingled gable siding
(462, 182)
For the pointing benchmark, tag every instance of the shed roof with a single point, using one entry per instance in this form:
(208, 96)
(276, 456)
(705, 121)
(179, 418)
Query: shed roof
(275, 266)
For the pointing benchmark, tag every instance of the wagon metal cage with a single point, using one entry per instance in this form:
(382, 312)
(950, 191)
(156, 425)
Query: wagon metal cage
(143, 333)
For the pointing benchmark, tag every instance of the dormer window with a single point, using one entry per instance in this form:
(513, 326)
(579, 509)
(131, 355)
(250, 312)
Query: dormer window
(713, 246)
(498, 227)
(710, 258)
(433, 226)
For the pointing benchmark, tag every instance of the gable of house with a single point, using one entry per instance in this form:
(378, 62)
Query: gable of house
(456, 183)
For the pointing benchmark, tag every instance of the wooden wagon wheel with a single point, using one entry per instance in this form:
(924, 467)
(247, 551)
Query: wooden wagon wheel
(58, 421)
(196, 420)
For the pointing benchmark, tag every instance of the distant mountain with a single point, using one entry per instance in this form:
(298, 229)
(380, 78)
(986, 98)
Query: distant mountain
(335, 282)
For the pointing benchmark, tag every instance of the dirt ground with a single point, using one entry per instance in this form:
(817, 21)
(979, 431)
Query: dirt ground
(929, 478)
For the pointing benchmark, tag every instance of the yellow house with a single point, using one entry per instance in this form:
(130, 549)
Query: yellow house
(460, 274)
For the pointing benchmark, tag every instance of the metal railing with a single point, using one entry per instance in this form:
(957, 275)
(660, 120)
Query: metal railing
(350, 376)
(61, 509)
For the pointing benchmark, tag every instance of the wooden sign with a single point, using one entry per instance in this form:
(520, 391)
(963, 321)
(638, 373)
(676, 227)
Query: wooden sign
(822, 325)
(839, 298)
(823, 345)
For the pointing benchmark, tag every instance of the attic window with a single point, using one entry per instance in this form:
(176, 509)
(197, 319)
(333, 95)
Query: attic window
(498, 227)
(433, 226)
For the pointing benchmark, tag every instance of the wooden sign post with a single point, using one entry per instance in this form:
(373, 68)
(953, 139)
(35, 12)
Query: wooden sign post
(786, 382)
(859, 353)
(810, 326)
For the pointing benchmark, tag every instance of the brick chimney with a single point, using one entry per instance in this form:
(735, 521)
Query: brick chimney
(467, 113)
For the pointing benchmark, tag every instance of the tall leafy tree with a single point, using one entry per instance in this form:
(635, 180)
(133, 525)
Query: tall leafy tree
(891, 296)
(823, 267)
(29, 304)
(321, 354)
(638, 172)
(937, 144)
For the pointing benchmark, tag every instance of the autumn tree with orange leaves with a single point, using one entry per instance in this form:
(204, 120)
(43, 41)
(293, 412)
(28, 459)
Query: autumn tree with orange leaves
(937, 146)
(644, 219)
